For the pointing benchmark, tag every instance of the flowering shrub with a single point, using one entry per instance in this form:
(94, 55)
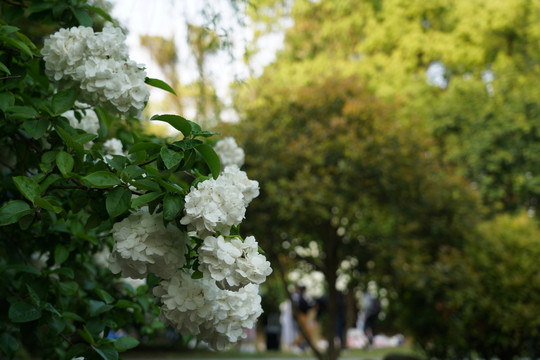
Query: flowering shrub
(80, 180)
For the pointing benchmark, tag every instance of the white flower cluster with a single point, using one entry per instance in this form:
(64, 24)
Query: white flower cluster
(200, 308)
(113, 146)
(144, 245)
(233, 263)
(98, 64)
(229, 152)
(89, 121)
(218, 204)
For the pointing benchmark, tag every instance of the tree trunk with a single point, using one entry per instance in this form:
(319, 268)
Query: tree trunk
(331, 263)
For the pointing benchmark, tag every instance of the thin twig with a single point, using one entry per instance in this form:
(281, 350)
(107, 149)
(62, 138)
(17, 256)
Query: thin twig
(11, 77)
(146, 162)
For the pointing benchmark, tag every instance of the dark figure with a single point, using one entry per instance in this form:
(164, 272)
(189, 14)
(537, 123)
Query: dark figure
(372, 313)
(341, 317)
(303, 306)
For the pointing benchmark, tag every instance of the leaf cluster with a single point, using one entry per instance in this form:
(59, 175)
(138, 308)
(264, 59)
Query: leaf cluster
(60, 194)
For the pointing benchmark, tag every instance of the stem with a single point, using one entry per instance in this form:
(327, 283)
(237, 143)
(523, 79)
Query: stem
(11, 77)
(3, 163)
(66, 339)
(146, 162)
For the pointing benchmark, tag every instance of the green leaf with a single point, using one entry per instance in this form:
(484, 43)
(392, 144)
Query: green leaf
(179, 123)
(118, 201)
(7, 100)
(125, 343)
(72, 316)
(26, 40)
(211, 158)
(174, 188)
(97, 307)
(44, 203)
(66, 137)
(76, 350)
(51, 309)
(7, 29)
(146, 184)
(57, 324)
(197, 275)
(107, 352)
(21, 311)
(65, 163)
(133, 171)
(68, 287)
(117, 162)
(38, 7)
(21, 112)
(33, 295)
(85, 334)
(172, 204)
(204, 133)
(16, 43)
(24, 268)
(64, 100)
(84, 138)
(27, 186)
(49, 181)
(99, 11)
(67, 272)
(102, 179)
(105, 296)
(159, 84)
(186, 144)
(4, 68)
(144, 146)
(82, 17)
(36, 128)
(13, 210)
(145, 199)
(8, 344)
(60, 254)
(170, 157)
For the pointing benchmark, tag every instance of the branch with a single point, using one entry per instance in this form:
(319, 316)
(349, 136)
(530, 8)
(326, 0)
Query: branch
(146, 162)
(11, 77)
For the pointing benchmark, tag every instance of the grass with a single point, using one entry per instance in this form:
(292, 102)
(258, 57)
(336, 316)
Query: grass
(376, 353)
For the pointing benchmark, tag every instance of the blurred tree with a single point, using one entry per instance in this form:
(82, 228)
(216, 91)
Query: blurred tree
(163, 52)
(462, 73)
(466, 70)
(204, 42)
(338, 169)
(485, 296)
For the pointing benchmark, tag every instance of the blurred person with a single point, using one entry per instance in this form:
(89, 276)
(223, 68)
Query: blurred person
(302, 305)
(286, 321)
(372, 306)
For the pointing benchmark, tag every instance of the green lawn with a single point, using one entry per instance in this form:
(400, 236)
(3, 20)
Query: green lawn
(235, 354)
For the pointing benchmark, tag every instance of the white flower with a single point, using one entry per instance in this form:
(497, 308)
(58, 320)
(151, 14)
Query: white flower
(113, 147)
(229, 152)
(233, 263)
(109, 44)
(198, 307)
(213, 206)
(99, 65)
(89, 121)
(64, 51)
(238, 178)
(217, 205)
(144, 245)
